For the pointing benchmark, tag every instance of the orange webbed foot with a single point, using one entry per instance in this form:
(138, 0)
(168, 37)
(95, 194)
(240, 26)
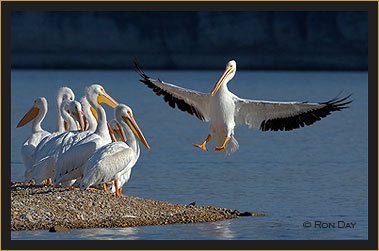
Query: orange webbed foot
(201, 146)
(223, 145)
(90, 188)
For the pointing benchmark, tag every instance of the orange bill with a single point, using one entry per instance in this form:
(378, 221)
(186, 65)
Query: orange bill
(106, 99)
(94, 113)
(66, 126)
(135, 129)
(121, 132)
(79, 117)
(217, 86)
(29, 116)
(111, 133)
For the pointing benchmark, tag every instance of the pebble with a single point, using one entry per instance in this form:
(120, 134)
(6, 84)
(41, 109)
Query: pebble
(59, 229)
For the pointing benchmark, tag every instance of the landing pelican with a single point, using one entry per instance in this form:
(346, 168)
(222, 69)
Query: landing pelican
(38, 113)
(70, 165)
(224, 110)
(114, 161)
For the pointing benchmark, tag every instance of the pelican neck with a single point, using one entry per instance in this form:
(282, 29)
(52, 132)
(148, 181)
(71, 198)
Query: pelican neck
(131, 138)
(59, 124)
(36, 126)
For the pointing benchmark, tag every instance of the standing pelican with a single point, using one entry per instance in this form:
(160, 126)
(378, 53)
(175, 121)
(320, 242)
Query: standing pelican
(224, 110)
(114, 161)
(70, 165)
(38, 113)
(50, 148)
(63, 94)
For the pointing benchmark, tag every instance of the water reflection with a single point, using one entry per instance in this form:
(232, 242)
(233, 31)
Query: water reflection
(221, 230)
(128, 233)
(216, 230)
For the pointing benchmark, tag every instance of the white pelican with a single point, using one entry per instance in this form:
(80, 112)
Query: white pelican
(47, 152)
(38, 113)
(112, 126)
(114, 161)
(64, 93)
(224, 110)
(70, 165)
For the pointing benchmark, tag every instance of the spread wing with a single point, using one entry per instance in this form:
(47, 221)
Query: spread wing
(193, 102)
(274, 116)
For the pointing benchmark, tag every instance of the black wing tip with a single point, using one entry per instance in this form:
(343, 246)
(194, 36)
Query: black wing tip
(337, 103)
(168, 97)
(139, 70)
(307, 118)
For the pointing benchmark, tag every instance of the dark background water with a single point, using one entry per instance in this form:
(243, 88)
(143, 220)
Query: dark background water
(296, 40)
(317, 173)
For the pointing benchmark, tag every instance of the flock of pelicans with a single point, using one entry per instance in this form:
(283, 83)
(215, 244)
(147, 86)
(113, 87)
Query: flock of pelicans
(86, 150)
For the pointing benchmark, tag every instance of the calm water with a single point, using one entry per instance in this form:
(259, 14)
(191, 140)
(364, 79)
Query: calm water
(317, 173)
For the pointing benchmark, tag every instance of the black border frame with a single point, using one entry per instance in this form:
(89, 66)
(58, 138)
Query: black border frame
(370, 6)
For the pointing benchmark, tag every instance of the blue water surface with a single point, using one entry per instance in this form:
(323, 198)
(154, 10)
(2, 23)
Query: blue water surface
(317, 174)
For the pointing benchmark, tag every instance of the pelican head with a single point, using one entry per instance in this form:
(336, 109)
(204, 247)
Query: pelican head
(75, 108)
(97, 91)
(230, 71)
(124, 113)
(65, 93)
(39, 104)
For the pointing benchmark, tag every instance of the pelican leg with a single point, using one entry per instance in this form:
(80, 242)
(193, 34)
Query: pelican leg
(223, 145)
(48, 182)
(202, 146)
(32, 182)
(105, 188)
(116, 186)
(89, 188)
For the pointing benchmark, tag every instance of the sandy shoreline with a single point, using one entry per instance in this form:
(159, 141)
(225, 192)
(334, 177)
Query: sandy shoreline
(40, 207)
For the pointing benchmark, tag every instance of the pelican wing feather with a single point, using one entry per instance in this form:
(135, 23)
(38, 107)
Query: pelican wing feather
(275, 116)
(193, 102)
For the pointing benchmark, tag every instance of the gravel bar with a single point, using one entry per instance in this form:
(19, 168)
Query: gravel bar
(41, 207)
